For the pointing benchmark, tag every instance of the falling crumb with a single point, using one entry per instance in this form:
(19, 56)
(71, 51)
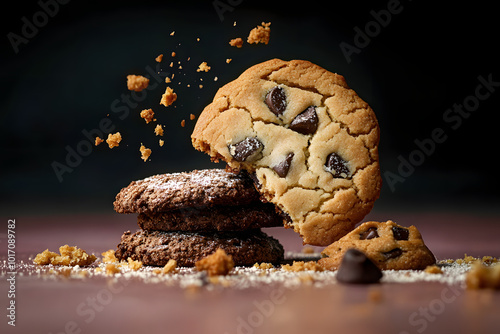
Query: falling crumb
(137, 82)
(98, 140)
(228, 60)
(145, 152)
(203, 67)
(167, 80)
(172, 33)
(192, 116)
(109, 257)
(433, 270)
(114, 139)
(198, 39)
(112, 269)
(171, 64)
(215, 79)
(168, 97)
(161, 142)
(69, 256)
(302, 266)
(218, 263)
(173, 54)
(148, 115)
(201, 86)
(159, 58)
(260, 34)
(134, 264)
(183, 123)
(159, 130)
(234, 24)
(483, 277)
(238, 42)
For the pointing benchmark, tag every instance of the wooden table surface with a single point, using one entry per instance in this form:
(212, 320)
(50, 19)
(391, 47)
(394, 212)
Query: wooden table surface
(69, 306)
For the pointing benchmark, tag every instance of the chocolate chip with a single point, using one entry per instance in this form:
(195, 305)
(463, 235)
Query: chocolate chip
(336, 165)
(246, 149)
(400, 233)
(396, 252)
(357, 268)
(276, 100)
(370, 233)
(282, 168)
(306, 122)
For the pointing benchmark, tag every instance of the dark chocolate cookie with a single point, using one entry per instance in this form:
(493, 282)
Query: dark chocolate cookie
(199, 188)
(214, 218)
(155, 248)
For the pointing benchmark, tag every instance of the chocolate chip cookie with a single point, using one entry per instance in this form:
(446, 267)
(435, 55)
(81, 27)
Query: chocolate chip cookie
(308, 140)
(387, 244)
(155, 248)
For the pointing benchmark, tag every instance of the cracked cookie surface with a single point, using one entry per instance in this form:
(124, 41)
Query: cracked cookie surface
(310, 142)
(387, 244)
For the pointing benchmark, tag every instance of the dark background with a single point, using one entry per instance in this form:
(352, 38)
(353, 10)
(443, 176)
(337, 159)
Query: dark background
(67, 77)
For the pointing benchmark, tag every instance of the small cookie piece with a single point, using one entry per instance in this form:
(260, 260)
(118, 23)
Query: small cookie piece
(260, 34)
(137, 83)
(309, 142)
(156, 248)
(213, 218)
(389, 245)
(199, 188)
(218, 263)
(357, 268)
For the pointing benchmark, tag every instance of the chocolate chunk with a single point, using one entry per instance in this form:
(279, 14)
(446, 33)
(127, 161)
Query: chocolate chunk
(306, 122)
(247, 149)
(369, 234)
(396, 252)
(282, 168)
(400, 233)
(357, 268)
(276, 100)
(336, 165)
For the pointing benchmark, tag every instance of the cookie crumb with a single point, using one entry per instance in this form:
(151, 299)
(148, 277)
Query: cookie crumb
(159, 58)
(263, 266)
(192, 116)
(145, 152)
(114, 139)
(159, 130)
(148, 115)
(433, 270)
(98, 140)
(137, 82)
(228, 60)
(483, 277)
(238, 42)
(169, 268)
(134, 264)
(161, 142)
(168, 97)
(167, 80)
(203, 67)
(302, 266)
(218, 263)
(69, 256)
(112, 269)
(307, 250)
(183, 123)
(260, 34)
(172, 33)
(109, 257)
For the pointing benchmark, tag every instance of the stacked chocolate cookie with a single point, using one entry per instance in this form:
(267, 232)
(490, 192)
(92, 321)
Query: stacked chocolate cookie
(187, 216)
